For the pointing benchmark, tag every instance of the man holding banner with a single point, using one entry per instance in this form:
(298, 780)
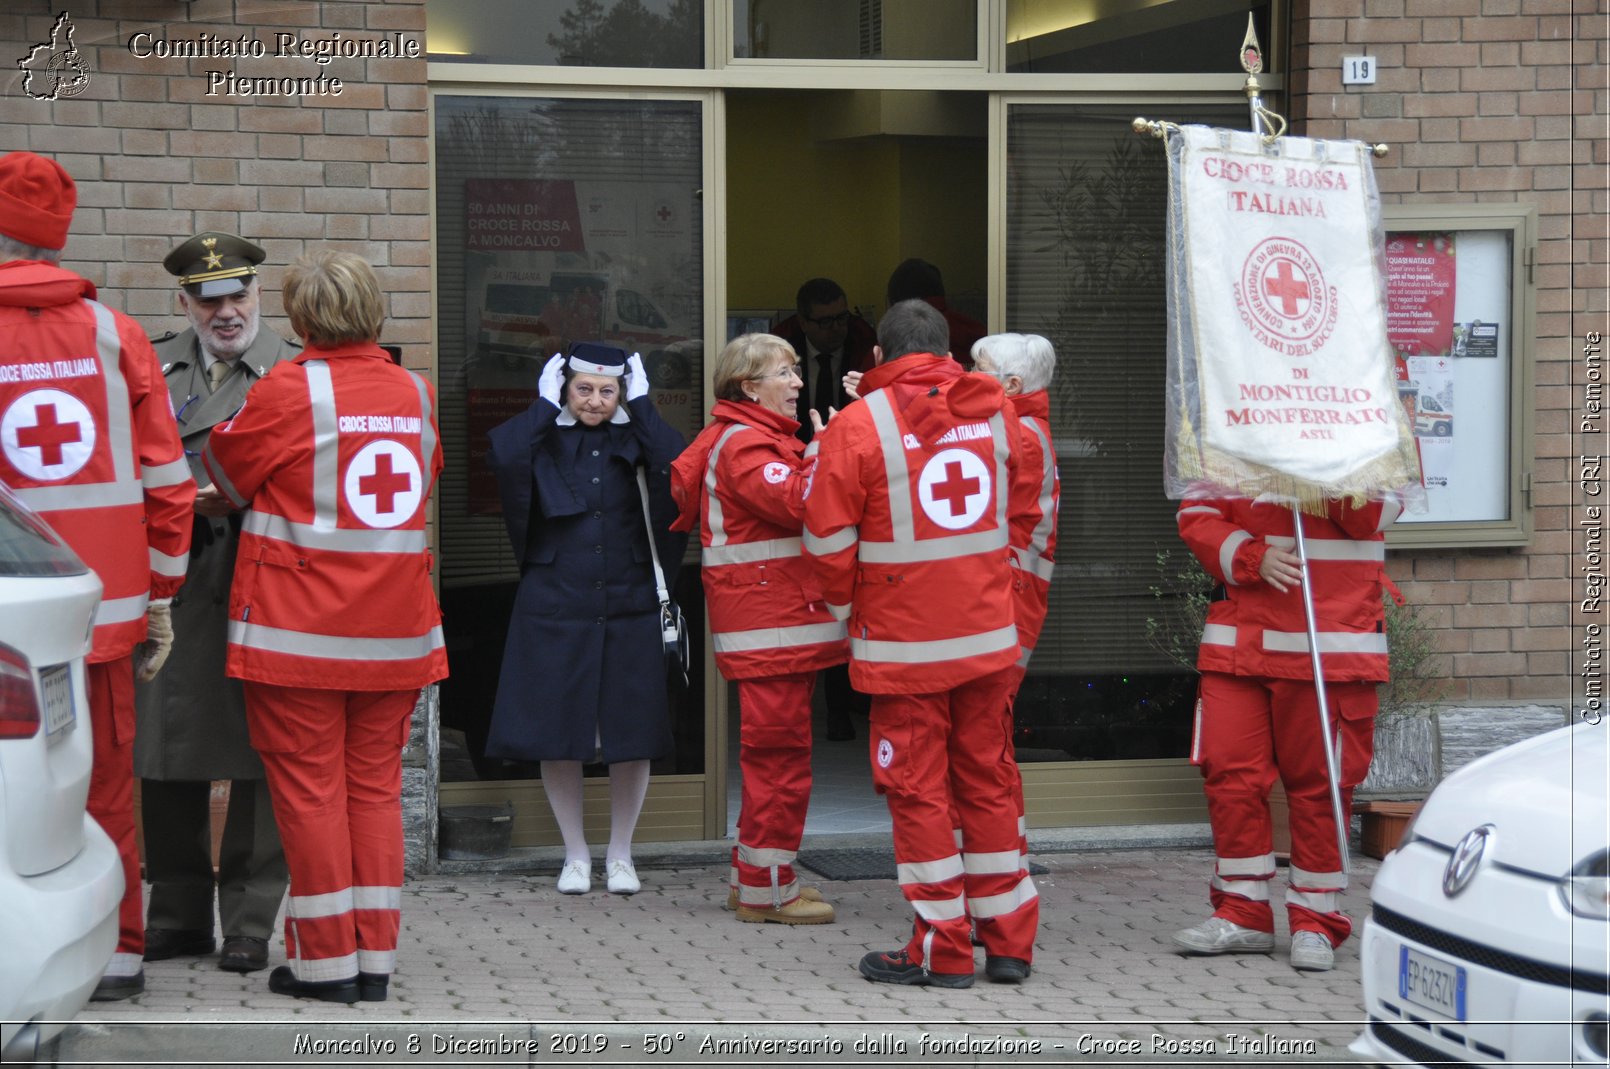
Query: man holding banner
(1257, 713)
(1282, 410)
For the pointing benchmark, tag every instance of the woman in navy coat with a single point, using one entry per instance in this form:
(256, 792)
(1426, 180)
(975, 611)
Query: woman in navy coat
(584, 667)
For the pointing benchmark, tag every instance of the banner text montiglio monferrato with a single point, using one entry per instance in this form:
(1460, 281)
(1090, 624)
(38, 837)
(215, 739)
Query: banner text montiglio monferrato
(284, 45)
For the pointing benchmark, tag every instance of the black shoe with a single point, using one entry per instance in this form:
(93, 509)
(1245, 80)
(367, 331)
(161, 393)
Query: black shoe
(372, 986)
(1006, 970)
(244, 953)
(117, 988)
(898, 968)
(282, 981)
(164, 943)
(839, 726)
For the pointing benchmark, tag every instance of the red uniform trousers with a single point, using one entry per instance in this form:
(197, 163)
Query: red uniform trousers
(774, 756)
(1252, 729)
(932, 751)
(1019, 671)
(111, 796)
(333, 760)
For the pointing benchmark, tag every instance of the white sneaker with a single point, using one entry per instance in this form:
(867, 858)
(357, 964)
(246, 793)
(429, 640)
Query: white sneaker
(623, 878)
(1312, 951)
(1219, 936)
(576, 878)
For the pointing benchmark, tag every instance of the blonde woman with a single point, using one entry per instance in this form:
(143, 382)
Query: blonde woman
(744, 480)
(333, 624)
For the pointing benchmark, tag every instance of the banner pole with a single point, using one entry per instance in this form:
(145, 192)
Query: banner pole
(1328, 737)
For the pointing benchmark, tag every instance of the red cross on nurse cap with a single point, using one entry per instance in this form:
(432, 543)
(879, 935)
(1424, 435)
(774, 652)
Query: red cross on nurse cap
(596, 358)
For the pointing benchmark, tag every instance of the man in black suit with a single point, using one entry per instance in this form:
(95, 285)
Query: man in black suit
(830, 340)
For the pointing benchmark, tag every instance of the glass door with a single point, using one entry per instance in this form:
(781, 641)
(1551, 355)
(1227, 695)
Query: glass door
(558, 219)
(1104, 716)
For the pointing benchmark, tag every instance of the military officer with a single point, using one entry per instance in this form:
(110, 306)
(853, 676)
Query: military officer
(191, 718)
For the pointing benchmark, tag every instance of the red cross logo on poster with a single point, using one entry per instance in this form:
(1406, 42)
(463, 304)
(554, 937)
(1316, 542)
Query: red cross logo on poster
(954, 488)
(47, 435)
(383, 484)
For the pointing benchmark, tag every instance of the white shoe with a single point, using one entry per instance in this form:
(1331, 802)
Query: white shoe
(576, 878)
(1311, 950)
(623, 878)
(1219, 936)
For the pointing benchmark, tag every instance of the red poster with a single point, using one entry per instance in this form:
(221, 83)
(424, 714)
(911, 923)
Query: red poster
(1420, 293)
(516, 214)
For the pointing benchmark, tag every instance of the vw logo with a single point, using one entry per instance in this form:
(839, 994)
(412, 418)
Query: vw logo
(1465, 861)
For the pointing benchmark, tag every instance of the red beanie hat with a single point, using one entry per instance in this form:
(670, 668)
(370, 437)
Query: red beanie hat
(37, 198)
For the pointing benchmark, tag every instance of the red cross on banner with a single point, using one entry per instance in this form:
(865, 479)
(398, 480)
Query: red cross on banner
(48, 435)
(1286, 288)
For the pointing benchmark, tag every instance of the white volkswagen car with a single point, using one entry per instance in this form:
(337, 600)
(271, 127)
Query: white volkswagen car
(1488, 940)
(60, 878)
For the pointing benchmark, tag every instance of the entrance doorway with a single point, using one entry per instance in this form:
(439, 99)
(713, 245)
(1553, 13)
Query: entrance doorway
(847, 184)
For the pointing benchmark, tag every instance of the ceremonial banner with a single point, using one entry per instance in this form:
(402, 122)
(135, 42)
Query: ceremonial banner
(1281, 378)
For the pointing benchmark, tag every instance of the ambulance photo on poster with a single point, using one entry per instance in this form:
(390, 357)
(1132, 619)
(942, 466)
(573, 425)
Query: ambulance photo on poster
(549, 263)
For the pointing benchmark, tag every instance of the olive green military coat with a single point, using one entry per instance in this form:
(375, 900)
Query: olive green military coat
(191, 719)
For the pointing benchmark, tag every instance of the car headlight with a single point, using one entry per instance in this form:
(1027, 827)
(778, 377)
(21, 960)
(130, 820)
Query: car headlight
(1586, 888)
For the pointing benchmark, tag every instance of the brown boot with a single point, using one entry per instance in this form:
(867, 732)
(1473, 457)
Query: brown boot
(799, 911)
(809, 894)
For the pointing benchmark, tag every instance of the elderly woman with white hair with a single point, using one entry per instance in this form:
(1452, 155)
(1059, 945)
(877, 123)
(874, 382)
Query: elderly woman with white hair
(1023, 364)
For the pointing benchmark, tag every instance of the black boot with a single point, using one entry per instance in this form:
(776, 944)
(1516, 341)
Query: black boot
(282, 981)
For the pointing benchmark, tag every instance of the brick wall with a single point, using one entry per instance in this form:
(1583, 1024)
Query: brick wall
(1486, 101)
(157, 158)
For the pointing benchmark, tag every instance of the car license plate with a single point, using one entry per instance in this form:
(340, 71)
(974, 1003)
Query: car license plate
(57, 683)
(1431, 982)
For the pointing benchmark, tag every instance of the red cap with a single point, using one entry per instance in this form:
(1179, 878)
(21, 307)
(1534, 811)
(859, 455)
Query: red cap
(37, 198)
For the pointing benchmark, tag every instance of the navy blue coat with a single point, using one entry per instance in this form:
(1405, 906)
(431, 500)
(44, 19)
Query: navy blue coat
(584, 659)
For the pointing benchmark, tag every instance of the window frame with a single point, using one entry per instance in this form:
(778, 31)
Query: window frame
(1520, 222)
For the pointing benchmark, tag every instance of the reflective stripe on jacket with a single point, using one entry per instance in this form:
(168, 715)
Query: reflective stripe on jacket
(335, 452)
(1034, 534)
(1255, 630)
(907, 523)
(87, 439)
(745, 477)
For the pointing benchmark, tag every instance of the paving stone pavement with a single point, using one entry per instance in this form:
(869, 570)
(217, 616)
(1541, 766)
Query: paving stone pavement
(502, 969)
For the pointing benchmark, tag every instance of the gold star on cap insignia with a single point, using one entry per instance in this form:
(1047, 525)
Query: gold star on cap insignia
(214, 261)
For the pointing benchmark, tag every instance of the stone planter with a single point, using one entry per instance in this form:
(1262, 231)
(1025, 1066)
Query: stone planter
(1408, 755)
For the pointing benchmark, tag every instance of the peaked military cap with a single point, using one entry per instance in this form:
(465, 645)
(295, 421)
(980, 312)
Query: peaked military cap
(214, 264)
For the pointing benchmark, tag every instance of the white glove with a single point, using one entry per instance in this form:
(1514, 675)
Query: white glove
(636, 378)
(158, 642)
(551, 384)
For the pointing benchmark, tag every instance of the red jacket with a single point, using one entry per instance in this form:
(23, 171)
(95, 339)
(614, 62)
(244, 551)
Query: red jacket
(1034, 532)
(335, 452)
(907, 522)
(1253, 629)
(743, 479)
(88, 440)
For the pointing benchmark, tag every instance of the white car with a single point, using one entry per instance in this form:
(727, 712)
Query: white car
(1488, 941)
(60, 878)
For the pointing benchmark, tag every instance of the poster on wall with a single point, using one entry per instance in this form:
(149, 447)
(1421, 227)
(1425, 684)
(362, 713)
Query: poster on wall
(1426, 389)
(1450, 296)
(548, 263)
(1420, 291)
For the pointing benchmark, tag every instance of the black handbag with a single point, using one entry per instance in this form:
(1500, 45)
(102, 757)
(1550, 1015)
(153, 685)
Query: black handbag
(673, 626)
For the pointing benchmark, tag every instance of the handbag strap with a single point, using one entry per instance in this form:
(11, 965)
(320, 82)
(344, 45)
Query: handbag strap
(653, 550)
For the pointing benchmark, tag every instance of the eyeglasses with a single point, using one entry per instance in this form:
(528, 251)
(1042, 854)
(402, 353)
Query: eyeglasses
(791, 371)
(838, 320)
